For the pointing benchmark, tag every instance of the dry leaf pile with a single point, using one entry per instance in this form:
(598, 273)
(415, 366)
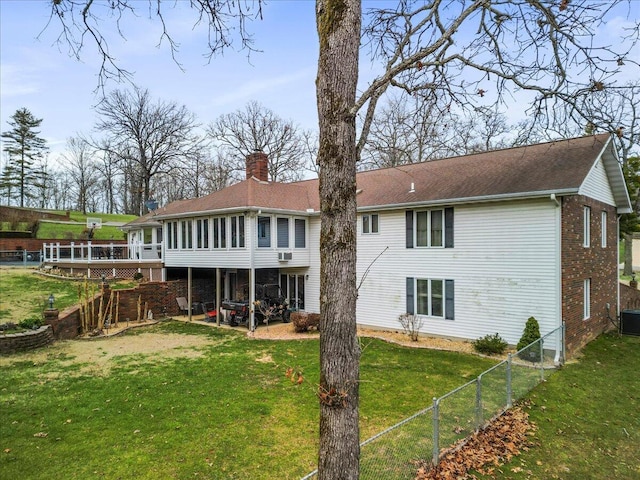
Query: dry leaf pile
(485, 450)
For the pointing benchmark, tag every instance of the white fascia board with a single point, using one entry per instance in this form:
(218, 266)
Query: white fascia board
(227, 211)
(465, 200)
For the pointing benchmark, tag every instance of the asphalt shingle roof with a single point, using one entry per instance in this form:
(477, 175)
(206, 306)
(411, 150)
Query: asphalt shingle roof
(559, 166)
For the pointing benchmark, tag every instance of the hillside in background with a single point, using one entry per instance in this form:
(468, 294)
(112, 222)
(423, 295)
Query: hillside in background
(58, 224)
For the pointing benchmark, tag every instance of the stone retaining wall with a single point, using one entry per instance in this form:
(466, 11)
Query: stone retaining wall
(20, 342)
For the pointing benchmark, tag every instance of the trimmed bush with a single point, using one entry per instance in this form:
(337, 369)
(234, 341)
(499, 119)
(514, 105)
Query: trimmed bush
(303, 321)
(490, 345)
(531, 334)
(31, 323)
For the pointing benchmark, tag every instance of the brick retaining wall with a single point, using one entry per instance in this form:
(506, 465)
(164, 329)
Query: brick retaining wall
(20, 342)
(160, 298)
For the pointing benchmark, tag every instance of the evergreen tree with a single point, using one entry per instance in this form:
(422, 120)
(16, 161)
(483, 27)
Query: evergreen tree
(24, 149)
(531, 334)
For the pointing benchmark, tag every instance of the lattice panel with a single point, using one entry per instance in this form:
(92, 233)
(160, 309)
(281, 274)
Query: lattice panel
(126, 272)
(99, 272)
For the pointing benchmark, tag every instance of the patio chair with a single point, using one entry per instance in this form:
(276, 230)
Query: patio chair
(183, 305)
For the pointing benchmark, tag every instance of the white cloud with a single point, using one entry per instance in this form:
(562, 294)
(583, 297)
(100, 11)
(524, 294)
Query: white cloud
(16, 81)
(259, 88)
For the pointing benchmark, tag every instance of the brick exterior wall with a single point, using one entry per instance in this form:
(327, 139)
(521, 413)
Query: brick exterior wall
(579, 263)
(20, 342)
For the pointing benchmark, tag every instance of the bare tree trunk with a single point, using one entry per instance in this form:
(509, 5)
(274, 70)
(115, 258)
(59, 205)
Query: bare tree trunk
(338, 24)
(628, 254)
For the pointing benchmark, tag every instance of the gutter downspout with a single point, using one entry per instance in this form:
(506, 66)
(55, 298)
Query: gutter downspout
(558, 300)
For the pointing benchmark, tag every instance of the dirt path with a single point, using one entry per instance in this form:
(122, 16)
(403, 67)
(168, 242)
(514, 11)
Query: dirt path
(95, 356)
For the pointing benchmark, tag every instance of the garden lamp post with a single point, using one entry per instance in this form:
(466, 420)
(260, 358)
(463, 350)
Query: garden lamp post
(51, 300)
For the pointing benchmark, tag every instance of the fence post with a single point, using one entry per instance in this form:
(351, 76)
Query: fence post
(73, 248)
(479, 419)
(436, 433)
(509, 392)
(58, 250)
(24, 256)
(562, 342)
(541, 360)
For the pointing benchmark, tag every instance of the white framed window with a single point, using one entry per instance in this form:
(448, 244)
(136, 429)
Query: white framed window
(429, 228)
(370, 223)
(172, 235)
(187, 234)
(202, 233)
(587, 298)
(237, 231)
(586, 235)
(264, 232)
(220, 232)
(603, 222)
(300, 233)
(282, 227)
(431, 297)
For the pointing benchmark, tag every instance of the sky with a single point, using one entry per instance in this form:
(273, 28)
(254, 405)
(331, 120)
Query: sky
(39, 74)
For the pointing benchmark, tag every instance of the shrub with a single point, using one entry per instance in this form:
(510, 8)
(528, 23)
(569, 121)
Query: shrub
(303, 321)
(31, 323)
(411, 324)
(138, 276)
(490, 345)
(531, 334)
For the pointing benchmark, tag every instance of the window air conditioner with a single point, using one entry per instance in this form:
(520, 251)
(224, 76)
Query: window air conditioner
(284, 256)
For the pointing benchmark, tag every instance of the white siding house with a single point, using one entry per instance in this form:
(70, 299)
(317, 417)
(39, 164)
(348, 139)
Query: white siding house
(474, 245)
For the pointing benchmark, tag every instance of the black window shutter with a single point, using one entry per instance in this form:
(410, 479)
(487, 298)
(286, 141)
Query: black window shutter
(409, 221)
(448, 227)
(410, 301)
(449, 299)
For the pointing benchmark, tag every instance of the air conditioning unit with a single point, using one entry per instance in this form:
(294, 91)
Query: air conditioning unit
(284, 256)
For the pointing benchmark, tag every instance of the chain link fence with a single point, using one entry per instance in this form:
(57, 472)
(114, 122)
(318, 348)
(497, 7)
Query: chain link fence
(397, 452)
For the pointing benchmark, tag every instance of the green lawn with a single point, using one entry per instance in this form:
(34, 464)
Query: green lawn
(588, 417)
(24, 294)
(77, 232)
(227, 412)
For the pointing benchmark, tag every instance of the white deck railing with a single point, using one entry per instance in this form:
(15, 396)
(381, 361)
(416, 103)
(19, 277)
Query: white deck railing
(89, 252)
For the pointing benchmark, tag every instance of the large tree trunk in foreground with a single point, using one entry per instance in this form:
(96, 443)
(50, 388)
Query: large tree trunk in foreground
(339, 32)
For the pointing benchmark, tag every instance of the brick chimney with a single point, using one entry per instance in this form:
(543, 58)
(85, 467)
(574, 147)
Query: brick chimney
(257, 166)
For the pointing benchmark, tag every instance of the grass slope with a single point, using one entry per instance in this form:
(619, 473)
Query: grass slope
(229, 413)
(24, 294)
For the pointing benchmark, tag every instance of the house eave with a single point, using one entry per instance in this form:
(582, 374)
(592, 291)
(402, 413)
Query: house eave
(230, 210)
(477, 199)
